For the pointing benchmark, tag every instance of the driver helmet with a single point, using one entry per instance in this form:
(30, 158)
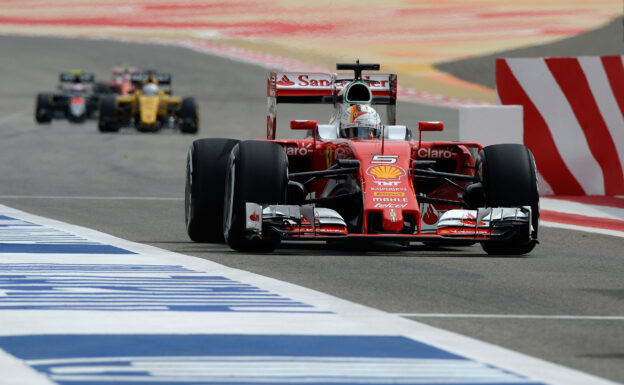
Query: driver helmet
(150, 89)
(360, 121)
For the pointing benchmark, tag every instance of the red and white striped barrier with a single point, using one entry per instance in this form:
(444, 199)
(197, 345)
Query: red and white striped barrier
(573, 119)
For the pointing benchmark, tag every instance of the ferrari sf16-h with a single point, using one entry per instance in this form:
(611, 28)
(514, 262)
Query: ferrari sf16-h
(75, 100)
(120, 81)
(149, 107)
(358, 179)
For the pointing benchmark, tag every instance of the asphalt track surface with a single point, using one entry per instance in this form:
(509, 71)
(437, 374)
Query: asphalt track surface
(131, 185)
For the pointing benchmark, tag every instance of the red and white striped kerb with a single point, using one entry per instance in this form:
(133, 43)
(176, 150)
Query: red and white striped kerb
(573, 119)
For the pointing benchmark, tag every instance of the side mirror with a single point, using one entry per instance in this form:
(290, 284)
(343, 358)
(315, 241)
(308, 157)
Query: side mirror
(430, 126)
(303, 125)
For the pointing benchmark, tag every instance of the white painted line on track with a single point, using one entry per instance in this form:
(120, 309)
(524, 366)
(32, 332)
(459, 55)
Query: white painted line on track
(334, 319)
(515, 316)
(584, 210)
(568, 207)
(84, 197)
(586, 229)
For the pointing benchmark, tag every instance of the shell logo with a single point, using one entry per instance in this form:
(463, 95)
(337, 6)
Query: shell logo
(386, 172)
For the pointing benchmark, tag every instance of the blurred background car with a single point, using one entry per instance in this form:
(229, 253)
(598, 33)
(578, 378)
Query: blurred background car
(75, 101)
(149, 108)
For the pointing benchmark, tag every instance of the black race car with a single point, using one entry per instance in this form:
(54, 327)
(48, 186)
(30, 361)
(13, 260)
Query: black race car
(75, 100)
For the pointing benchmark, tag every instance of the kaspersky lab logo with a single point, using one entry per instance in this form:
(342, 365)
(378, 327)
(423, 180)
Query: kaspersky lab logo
(386, 172)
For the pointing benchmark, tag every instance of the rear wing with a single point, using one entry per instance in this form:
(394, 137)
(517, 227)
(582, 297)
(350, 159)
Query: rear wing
(69, 77)
(162, 79)
(323, 88)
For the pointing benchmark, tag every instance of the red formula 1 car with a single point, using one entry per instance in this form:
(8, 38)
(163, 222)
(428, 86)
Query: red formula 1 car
(358, 179)
(120, 82)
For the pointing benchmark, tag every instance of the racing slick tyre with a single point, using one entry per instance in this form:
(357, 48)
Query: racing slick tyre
(509, 178)
(206, 167)
(107, 119)
(44, 108)
(189, 116)
(257, 172)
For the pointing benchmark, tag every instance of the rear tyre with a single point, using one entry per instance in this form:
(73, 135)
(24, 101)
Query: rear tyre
(107, 118)
(189, 116)
(44, 108)
(509, 178)
(206, 167)
(256, 172)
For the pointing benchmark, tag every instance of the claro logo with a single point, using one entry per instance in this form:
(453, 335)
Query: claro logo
(434, 154)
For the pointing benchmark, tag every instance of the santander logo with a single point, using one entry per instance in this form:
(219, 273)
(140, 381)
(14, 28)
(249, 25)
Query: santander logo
(284, 81)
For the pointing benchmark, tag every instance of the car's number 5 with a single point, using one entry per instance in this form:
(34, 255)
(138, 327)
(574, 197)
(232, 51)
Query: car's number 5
(384, 159)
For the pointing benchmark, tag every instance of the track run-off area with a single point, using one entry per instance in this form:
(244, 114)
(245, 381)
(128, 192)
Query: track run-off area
(100, 282)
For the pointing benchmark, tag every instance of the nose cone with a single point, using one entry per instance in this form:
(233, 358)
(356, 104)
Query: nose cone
(392, 220)
(149, 109)
(77, 108)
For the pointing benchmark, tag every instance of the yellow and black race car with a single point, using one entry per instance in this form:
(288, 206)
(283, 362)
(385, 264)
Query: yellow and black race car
(149, 108)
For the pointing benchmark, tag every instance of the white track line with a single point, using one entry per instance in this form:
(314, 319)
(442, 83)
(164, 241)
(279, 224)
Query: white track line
(515, 316)
(594, 230)
(570, 207)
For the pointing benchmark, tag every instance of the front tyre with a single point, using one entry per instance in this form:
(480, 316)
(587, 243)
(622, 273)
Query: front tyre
(44, 108)
(189, 116)
(107, 118)
(509, 178)
(206, 166)
(257, 172)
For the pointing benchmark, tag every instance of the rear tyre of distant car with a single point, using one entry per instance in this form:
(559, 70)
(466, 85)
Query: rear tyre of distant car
(44, 108)
(256, 173)
(107, 118)
(509, 178)
(206, 167)
(189, 116)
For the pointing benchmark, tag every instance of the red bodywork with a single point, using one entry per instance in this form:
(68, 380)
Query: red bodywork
(121, 80)
(389, 187)
(387, 183)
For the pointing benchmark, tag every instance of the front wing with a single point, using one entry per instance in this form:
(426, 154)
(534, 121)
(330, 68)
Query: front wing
(301, 223)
